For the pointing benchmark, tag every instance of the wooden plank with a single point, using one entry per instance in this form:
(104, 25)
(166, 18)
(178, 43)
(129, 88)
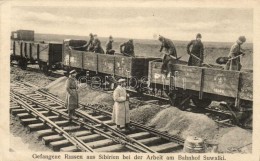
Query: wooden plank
(76, 59)
(44, 52)
(246, 86)
(123, 66)
(47, 139)
(18, 48)
(155, 75)
(90, 61)
(63, 143)
(187, 77)
(221, 82)
(47, 132)
(167, 147)
(106, 64)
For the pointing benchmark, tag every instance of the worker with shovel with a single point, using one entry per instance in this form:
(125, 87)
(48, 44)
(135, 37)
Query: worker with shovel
(233, 62)
(197, 51)
(170, 55)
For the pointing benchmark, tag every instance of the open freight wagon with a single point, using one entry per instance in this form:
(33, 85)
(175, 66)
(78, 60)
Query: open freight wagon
(204, 85)
(103, 64)
(47, 55)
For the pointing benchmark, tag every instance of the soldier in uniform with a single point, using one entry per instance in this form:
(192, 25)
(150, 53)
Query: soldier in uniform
(169, 54)
(109, 46)
(97, 46)
(89, 45)
(120, 115)
(234, 55)
(128, 48)
(197, 51)
(71, 102)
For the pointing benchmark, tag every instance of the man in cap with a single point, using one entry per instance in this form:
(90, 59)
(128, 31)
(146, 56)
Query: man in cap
(71, 102)
(120, 114)
(109, 46)
(169, 54)
(97, 46)
(234, 55)
(89, 45)
(128, 48)
(197, 51)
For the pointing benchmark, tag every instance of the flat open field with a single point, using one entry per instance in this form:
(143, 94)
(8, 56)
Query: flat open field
(150, 48)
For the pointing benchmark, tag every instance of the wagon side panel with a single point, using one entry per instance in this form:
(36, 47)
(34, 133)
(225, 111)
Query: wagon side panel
(90, 61)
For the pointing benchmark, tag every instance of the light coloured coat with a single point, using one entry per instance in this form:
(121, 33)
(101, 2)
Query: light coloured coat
(234, 63)
(121, 113)
(72, 94)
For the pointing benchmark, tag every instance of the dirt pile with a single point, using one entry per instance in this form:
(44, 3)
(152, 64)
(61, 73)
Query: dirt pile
(86, 94)
(184, 123)
(144, 113)
(236, 140)
(30, 75)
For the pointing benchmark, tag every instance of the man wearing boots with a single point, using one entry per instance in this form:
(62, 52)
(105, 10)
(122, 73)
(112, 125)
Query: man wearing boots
(72, 101)
(121, 113)
(170, 54)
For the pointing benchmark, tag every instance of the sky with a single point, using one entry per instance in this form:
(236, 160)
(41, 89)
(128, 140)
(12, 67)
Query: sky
(215, 24)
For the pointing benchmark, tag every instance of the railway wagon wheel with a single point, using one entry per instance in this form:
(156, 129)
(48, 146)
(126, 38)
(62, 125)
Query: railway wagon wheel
(22, 63)
(45, 69)
(201, 103)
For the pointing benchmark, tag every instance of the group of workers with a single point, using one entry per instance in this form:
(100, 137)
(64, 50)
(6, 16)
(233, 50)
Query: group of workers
(120, 114)
(195, 49)
(94, 45)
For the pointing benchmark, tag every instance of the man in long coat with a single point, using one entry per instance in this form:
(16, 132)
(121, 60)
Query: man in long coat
(127, 48)
(234, 55)
(169, 54)
(121, 116)
(197, 51)
(72, 101)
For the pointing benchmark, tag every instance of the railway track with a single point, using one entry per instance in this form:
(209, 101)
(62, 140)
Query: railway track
(91, 131)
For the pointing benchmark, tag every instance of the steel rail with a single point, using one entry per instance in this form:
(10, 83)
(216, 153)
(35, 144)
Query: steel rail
(140, 126)
(124, 142)
(74, 140)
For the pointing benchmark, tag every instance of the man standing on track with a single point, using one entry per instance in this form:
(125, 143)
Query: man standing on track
(128, 48)
(72, 101)
(197, 51)
(109, 46)
(121, 116)
(234, 55)
(169, 54)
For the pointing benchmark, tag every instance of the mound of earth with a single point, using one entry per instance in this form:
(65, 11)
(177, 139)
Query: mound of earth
(183, 124)
(86, 94)
(144, 113)
(30, 75)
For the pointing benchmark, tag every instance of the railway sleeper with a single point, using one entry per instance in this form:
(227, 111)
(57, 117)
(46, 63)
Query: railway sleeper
(41, 126)
(112, 148)
(167, 147)
(48, 132)
(27, 121)
(106, 142)
(151, 140)
(64, 143)
(52, 138)
(21, 112)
